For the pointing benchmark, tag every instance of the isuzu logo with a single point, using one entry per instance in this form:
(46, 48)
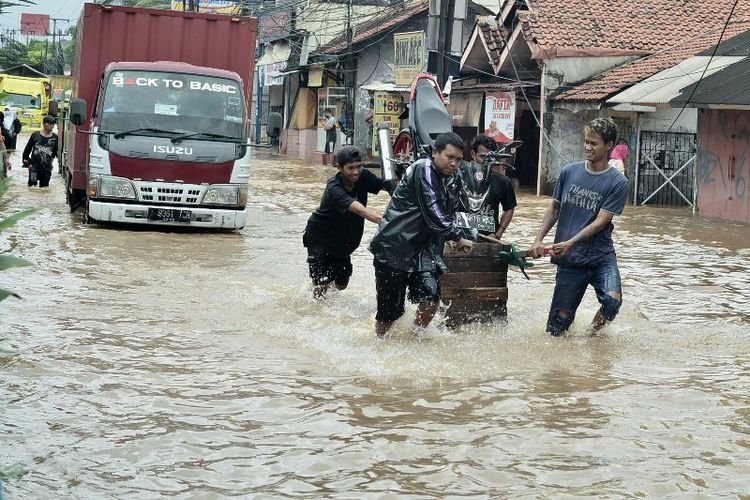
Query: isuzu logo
(173, 150)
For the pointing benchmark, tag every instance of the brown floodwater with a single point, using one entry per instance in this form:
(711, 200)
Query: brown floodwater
(143, 364)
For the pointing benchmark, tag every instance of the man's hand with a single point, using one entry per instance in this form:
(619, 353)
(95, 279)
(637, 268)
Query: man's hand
(7, 164)
(560, 249)
(537, 250)
(464, 245)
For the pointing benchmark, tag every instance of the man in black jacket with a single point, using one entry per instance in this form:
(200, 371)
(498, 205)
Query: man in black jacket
(408, 246)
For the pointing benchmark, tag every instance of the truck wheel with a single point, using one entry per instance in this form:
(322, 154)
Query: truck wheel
(74, 197)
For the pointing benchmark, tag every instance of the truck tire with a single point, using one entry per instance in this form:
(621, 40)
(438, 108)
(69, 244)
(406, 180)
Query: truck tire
(74, 197)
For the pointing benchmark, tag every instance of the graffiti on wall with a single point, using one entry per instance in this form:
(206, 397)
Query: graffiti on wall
(723, 166)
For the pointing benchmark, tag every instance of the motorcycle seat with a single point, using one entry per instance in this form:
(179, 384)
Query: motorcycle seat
(430, 116)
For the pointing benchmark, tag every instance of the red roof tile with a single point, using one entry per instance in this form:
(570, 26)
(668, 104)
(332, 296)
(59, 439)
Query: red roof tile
(590, 27)
(618, 79)
(494, 36)
(380, 24)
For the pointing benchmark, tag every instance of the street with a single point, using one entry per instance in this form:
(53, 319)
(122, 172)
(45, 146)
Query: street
(144, 363)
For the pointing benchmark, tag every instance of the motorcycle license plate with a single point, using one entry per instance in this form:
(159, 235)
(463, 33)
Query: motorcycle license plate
(475, 221)
(169, 215)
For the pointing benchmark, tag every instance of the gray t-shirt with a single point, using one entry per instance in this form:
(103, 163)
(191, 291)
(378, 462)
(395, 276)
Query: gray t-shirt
(581, 194)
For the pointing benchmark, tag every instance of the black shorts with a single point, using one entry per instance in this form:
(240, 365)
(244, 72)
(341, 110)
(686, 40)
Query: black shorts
(326, 268)
(330, 141)
(391, 285)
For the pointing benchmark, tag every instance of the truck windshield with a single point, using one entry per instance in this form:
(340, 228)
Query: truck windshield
(21, 100)
(176, 102)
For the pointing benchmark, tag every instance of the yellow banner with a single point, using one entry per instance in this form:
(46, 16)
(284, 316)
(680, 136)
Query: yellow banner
(387, 108)
(210, 6)
(409, 58)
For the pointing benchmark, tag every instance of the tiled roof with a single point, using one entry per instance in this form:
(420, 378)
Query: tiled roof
(618, 79)
(494, 37)
(591, 27)
(381, 24)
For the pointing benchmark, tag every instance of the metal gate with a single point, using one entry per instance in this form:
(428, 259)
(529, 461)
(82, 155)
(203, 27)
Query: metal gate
(666, 169)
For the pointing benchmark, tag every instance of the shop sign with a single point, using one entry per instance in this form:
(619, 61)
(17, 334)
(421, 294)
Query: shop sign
(387, 108)
(272, 74)
(500, 115)
(409, 57)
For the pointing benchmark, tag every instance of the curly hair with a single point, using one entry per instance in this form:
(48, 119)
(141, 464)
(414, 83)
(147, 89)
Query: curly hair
(605, 127)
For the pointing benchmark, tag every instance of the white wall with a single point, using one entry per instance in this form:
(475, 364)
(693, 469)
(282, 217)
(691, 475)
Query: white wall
(663, 118)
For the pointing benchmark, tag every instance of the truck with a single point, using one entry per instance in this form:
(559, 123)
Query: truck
(28, 97)
(166, 141)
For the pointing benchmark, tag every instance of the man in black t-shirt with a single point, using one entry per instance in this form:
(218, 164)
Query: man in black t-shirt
(335, 229)
(500, 191)
(39, 153)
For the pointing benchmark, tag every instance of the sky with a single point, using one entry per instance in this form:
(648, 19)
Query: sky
(64, 9)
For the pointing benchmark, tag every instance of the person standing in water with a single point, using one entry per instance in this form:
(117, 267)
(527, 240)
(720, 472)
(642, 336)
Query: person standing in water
(39, 153)
(587, 196)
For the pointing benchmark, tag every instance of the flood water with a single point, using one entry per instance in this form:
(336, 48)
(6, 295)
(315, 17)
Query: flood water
(144, 364)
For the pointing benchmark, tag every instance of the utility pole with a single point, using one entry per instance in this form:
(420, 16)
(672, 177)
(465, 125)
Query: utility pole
(349, 76)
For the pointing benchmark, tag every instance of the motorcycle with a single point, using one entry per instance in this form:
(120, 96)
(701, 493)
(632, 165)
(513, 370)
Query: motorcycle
(475, 186)
(428, 118)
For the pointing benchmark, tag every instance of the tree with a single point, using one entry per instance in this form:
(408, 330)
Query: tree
(4, 4)
(13, 53)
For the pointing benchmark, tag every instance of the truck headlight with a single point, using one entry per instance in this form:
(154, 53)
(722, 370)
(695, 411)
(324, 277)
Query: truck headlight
(221, 195)
(114, 187)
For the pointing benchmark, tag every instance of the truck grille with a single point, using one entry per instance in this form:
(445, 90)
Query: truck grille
(168, 193)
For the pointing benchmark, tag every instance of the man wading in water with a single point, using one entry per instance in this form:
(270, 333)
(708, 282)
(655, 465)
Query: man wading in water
(335, 229)
(408, 246)
(587, 195)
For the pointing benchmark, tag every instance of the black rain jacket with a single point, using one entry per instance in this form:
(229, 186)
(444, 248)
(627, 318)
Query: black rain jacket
(418, 221)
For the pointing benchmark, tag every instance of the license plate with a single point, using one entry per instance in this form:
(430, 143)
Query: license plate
(169, 215)
(475, 221)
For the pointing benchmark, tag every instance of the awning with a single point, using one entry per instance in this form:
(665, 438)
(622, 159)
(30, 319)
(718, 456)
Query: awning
(275, 53)
(666, 85)
(385, 87)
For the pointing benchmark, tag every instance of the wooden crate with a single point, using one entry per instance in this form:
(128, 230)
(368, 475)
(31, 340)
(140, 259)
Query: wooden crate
(476, 285)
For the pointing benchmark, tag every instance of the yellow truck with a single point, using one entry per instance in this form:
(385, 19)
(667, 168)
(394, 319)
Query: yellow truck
(29, 98)
(61, 89)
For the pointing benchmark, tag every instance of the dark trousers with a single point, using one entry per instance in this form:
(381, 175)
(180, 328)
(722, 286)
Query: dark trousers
(39, 174)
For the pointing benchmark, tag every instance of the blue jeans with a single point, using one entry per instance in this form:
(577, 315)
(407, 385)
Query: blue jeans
(571, 284)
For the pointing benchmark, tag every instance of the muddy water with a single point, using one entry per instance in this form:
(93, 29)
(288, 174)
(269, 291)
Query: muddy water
(146, 364)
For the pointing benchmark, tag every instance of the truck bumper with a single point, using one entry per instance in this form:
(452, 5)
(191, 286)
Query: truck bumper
(216, 218)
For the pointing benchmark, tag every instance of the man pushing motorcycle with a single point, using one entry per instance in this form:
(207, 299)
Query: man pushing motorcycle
(408, 246)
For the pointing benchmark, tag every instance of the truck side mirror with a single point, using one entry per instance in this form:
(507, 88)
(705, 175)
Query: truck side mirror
(78, 113)
(53, 108)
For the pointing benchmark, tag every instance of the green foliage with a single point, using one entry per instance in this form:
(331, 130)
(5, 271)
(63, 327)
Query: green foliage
(4, 4)
(8, 261)
(13, 53)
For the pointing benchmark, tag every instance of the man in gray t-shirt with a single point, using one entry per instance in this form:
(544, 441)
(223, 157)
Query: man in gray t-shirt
(587, 195)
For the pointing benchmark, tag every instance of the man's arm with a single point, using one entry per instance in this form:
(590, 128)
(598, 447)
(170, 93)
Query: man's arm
(4, 153)
(550, 219)
(364, 212)
(504, 222)
(602, 219)
(27, 150)
(437, 217)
